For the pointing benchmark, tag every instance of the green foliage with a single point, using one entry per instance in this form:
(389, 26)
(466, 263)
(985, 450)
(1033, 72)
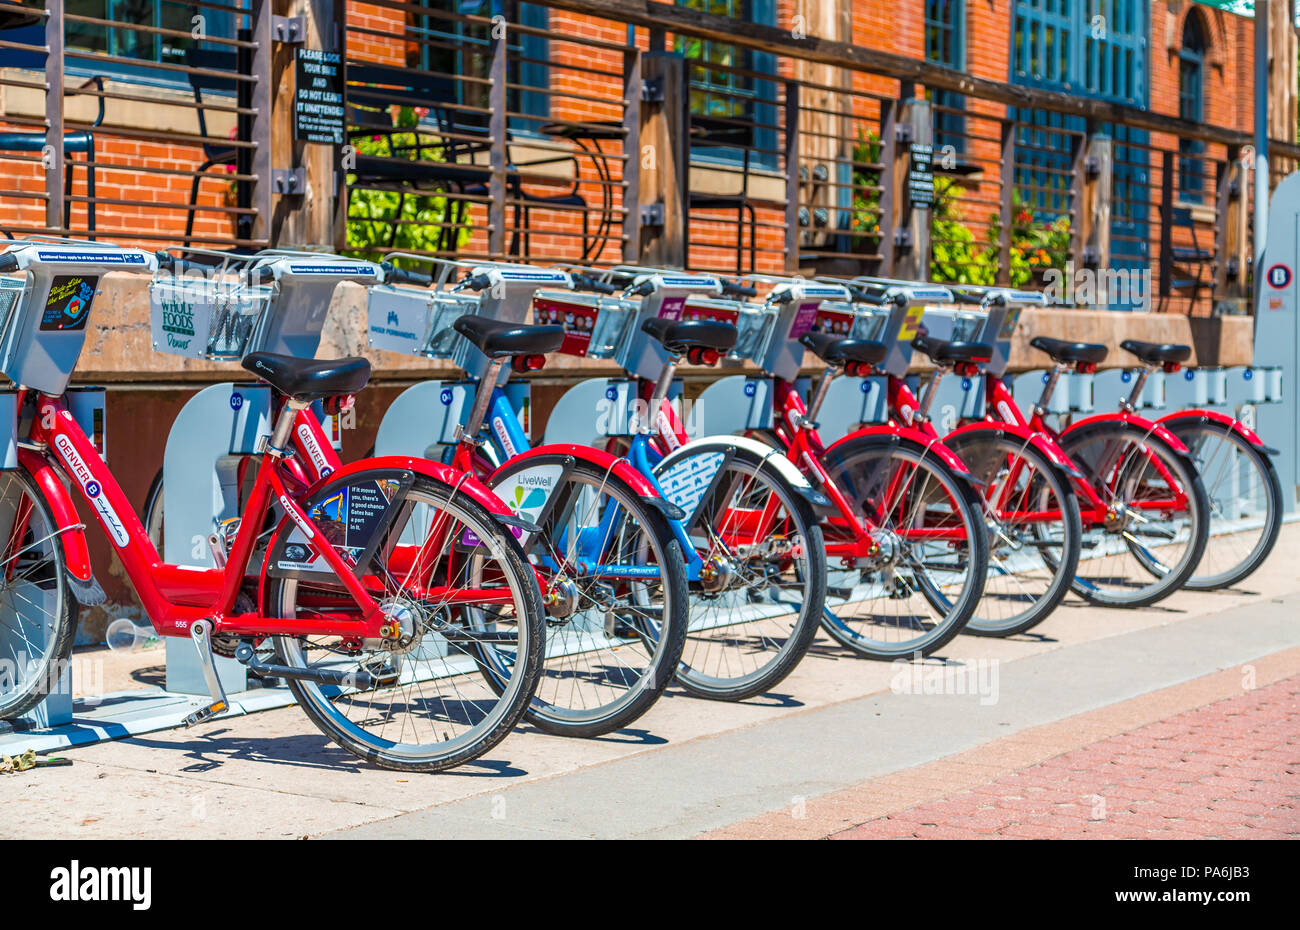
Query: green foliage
(958, 257)
(373, 228)
(866, 191)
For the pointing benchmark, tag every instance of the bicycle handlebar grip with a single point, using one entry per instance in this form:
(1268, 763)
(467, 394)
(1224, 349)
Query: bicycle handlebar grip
(589, 283)
(395, 275)
(865, 297)
(477, 282)
(962, 297)
(8, 262)
(738, 290)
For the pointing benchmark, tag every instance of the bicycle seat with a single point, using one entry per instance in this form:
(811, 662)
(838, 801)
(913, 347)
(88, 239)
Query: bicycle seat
(943, 351)
(833, 349)
(1063, 351)
(501, 339)
(680, 336)
(309, 378)
(1157, 353)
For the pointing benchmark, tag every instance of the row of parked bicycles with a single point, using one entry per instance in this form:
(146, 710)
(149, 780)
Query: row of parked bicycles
(420, 605)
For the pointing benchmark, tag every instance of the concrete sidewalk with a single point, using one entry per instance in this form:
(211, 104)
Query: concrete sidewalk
(771, 766)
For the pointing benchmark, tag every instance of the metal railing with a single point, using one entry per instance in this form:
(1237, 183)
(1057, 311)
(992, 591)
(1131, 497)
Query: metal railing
(597, 131)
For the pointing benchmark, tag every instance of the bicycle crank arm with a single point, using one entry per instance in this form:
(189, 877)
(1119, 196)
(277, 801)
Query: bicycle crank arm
(361, 681)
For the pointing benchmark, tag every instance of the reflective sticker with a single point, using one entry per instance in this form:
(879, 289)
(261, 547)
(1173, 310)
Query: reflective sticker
(686, 481)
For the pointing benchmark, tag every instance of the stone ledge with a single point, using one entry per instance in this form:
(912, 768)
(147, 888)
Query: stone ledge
(119, 346)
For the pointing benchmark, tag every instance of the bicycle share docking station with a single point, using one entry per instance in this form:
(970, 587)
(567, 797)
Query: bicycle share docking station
(225, 319)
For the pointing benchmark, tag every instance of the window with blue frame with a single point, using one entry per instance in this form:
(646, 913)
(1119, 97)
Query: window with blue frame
(945, 44)
(134, 50)
(1191, 106)
(453, 46)
(727, 97)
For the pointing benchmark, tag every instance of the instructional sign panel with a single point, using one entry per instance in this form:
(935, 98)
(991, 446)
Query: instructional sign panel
(920, 176)
(318, 111)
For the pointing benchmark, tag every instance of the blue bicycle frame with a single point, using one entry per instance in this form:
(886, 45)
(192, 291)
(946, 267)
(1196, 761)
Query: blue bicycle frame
(509, 439)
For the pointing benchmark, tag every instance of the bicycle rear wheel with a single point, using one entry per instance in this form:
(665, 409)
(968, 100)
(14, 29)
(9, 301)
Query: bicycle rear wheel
(37, 611)
(1151, 536)
(429, 707)
(917, 579)
(1245, 497)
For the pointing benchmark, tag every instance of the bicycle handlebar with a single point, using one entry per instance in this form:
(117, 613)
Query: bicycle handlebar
(8, 262)
(587, 282)
(395, 275)
(732, 289)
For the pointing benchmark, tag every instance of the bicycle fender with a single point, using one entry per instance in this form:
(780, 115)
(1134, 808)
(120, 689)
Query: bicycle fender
(1151, 427)
(618, 466)
(770, 456)
(443, 474)
(76, 554)
(911, 436)
(1050, 450)
(1215, 416)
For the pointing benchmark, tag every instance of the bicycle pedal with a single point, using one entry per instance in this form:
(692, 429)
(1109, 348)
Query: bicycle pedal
(206, 713)
(201, 635)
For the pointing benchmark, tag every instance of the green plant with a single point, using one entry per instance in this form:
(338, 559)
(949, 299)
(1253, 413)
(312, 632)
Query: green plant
(958, 257)
(865, 212)
(380, 221)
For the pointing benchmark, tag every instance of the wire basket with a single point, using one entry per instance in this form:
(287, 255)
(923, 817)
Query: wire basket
(594, 326)
(753, 323)
(418, 321)
(205, 318)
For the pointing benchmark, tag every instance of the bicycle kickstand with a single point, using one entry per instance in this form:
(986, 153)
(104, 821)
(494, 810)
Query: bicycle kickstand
(201, 632)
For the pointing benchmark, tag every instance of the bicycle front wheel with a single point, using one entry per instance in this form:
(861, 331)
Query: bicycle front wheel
(1245, 498)
(909, 577)
(760, 580)
(455, 584)
(1145, 537)
(1034, 543)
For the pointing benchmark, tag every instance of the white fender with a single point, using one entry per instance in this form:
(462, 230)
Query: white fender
(770, 457)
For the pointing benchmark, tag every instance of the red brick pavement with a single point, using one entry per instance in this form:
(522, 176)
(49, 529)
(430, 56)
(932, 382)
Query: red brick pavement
(1228, 770)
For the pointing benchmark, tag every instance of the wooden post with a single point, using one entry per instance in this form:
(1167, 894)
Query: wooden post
(664, 160)
(306, 216)
(261, 129)
(1090, 189)
(888, 196)
(1006, 204)
(911, 225)
(1231, 257)
(1100, 171)
(791, 177)
(632, 155)
(497, 128)
(52, 157)
(1166, 224)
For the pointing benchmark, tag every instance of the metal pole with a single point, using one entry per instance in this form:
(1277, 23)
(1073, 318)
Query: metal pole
(1261, 135)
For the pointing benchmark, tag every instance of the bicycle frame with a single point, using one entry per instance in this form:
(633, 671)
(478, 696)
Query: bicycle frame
(854, 537)
(176, 596)
(1000, 406)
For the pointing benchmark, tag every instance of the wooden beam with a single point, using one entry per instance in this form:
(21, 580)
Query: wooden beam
(685, 21)
(664, 160)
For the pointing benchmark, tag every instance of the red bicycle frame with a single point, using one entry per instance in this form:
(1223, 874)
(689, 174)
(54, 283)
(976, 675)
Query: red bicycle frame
(175, 596)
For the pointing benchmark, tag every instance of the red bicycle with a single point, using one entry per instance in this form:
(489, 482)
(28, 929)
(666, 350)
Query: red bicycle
(1142, 505)
(1236, 468)
(374, 592)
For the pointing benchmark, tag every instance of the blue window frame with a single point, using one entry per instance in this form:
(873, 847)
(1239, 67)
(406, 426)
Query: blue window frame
(460, 48)
(730, 100)
(945, 44)
(1094, 48)
(141, 49)
(1191, 106)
